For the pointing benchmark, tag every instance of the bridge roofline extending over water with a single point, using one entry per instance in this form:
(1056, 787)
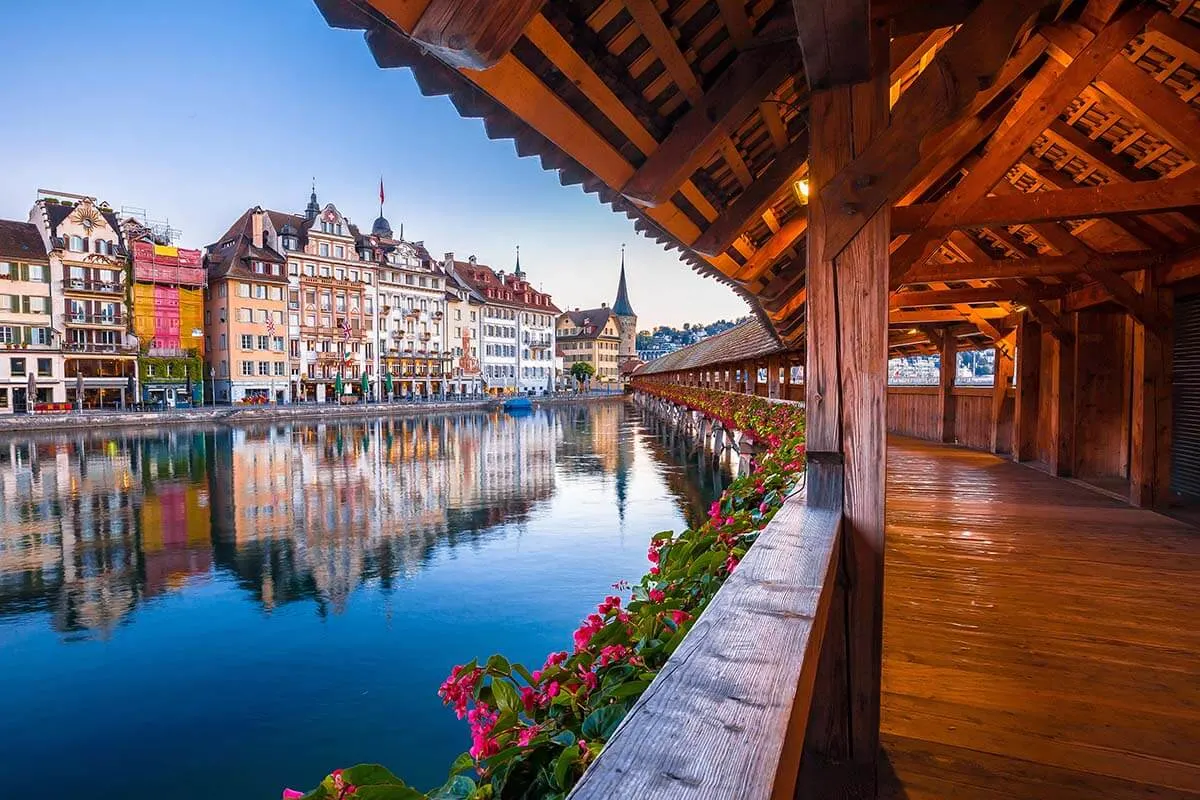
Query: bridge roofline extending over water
(878, 177)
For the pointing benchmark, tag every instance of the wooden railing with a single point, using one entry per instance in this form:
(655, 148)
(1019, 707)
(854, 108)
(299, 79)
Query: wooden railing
(913, 411)
(726, 717)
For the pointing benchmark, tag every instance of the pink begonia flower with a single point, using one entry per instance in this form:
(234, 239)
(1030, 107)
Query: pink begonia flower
(680, 617)
(731, 563)
(527, 735)
(291, 794)
(657, 595)
(654, 570)
(552, 690)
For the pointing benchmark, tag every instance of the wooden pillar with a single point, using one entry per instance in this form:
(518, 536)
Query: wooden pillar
(846, 377)
(749, 377)
(773, 378)
(1029, 378)
(1150, 438)
(1059, 402)
(1002, 404)
(948, 348)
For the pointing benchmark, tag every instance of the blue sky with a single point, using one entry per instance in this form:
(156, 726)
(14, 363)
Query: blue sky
(196, 111)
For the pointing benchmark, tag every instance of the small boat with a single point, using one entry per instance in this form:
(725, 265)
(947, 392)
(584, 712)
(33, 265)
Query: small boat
(518, 404)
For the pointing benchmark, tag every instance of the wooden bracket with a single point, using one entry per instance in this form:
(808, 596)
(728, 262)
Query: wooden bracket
(1132, 301)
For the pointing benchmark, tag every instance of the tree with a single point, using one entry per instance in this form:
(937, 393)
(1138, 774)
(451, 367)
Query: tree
(582, 372)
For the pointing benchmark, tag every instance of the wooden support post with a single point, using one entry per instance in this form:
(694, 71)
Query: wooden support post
(750, 374)
(1029, 378)
(949, 368)
(773, 378)
(846, 377)
(1150, 439)
(1060, 401)
(1002, 404)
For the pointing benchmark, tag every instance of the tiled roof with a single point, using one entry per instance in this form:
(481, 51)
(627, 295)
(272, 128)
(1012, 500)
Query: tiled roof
(483, 278)
(232, 259)
(21, 240)
(597, 318)
(57, 212)
(739, 343)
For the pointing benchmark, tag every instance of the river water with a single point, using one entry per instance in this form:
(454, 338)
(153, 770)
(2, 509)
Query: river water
(220, 612)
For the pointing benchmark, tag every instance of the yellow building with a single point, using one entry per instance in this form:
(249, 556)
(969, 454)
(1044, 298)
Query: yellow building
(592, 336)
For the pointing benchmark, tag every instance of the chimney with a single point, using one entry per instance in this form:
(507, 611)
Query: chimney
(256, 226)
(604, 305)
(448, 258)
(472, 260)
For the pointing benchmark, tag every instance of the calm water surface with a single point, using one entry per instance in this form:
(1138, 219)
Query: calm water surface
(201, 613)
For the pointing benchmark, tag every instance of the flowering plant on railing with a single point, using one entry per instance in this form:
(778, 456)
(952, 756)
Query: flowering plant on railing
(534, 732)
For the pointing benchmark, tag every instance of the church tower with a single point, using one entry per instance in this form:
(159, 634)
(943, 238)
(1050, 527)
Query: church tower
(626, 318)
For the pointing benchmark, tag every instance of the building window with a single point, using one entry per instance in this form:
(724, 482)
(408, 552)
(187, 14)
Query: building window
(17, 367)
(264, 368)
(247, 341)
(76, 244)
(44, 368)
(323, 249)
(264, 343)
(248, 368)
(243, 290)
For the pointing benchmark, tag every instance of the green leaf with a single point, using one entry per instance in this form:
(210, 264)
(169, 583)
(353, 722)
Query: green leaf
(460, 787)
(566, 738)
(524, 673)
(461, 764)
(506, 695)
(503, 757)
(319, 793)
(629, 689)
(499, 663)
(601, 723)
(562, 767)
(370, 775)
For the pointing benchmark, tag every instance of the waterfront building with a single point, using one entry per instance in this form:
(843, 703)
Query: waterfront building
(517, 328)
(31, 353)
(244, 314)
(412, 302)
(86, 248)
(464, 317)
(592, 336)
(167, 309)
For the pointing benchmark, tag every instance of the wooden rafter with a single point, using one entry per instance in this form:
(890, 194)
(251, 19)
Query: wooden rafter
(833, 35)
(1035, 114)
(1110, 200)
(703, 130)
(1034, 267)
(972, 58)
(946, 297)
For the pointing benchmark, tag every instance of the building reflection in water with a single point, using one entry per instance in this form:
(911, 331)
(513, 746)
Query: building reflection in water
(92, 524)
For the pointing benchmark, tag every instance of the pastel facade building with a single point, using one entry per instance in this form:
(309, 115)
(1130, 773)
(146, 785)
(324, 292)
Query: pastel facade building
(30, 352)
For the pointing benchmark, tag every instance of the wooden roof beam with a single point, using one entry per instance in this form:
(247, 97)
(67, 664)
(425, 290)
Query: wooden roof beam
(1033, 116)
(1110, 200)
(834, 36)
(944, 93)
(906, 17)
(703, 129)
(1035, 267)
(473, 34)
(947, 297)
(789, 166)
(936, 315)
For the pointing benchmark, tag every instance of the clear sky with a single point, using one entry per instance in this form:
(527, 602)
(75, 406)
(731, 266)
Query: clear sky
(196, 111)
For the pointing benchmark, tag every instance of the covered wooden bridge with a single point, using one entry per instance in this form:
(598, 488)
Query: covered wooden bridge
(884, 177)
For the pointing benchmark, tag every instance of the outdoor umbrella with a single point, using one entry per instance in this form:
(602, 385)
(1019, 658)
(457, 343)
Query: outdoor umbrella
(31, 392)
(387, 383)
(187, 374)
(366, 386)
(337, 387)
(132, 392)
(79, 390)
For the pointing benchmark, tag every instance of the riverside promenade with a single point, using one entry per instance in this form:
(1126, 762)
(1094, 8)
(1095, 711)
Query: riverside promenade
(240, 414)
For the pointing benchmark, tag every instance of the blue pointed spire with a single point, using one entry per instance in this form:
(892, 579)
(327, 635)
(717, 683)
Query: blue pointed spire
(622, 307)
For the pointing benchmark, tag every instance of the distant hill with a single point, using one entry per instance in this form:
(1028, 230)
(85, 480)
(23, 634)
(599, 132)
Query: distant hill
(665, 337)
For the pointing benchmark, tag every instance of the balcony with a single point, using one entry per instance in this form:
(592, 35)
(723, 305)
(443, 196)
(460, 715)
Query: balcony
(98, 348)
(99, 320)
(94, 287)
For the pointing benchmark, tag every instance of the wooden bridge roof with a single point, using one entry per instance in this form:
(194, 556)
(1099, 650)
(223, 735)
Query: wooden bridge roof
(749, 340)
(1073, 163)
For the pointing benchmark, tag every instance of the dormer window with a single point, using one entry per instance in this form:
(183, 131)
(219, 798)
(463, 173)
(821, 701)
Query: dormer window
(77, 244)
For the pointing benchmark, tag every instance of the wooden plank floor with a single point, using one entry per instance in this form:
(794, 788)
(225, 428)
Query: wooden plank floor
(1040, 640)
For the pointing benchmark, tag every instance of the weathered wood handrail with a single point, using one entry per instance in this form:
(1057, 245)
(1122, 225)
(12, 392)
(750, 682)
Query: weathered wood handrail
(726, 716)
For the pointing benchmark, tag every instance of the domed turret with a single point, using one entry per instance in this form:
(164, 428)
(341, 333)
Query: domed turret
(382, 228)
